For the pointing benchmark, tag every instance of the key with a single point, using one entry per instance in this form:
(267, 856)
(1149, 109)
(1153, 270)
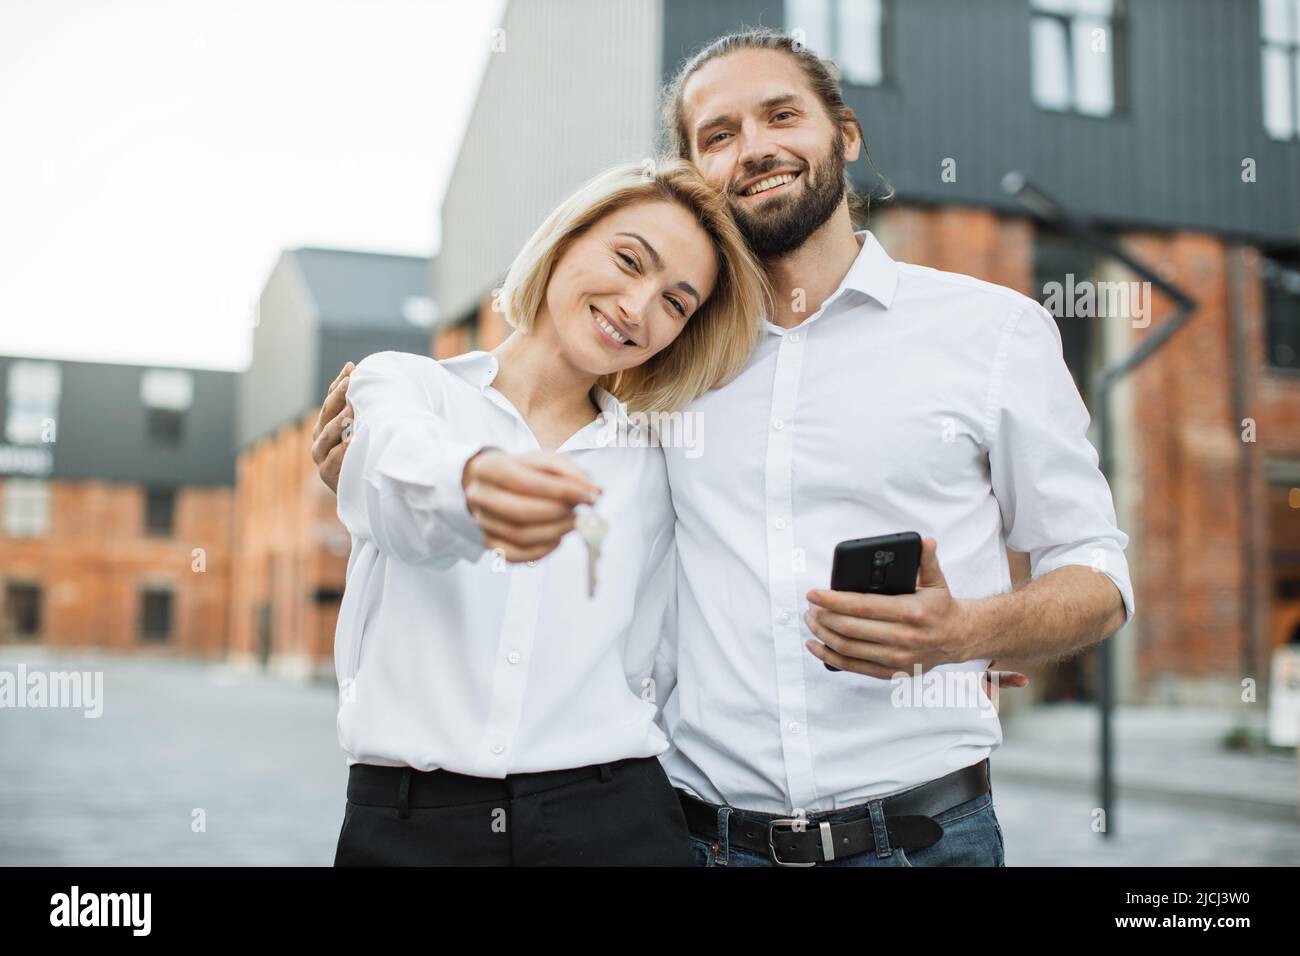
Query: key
(591, 527)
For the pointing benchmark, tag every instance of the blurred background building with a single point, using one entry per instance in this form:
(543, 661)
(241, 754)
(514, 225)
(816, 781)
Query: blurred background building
(1173, 126)
(318, 309)
(117, 485)
(1176, 134)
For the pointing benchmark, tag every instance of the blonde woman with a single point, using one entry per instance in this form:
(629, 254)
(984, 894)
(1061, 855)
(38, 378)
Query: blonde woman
(494, 711)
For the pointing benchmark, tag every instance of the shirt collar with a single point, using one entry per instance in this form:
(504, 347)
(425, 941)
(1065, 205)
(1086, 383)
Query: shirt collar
(477, 368)
(873, 272)
(480, 369)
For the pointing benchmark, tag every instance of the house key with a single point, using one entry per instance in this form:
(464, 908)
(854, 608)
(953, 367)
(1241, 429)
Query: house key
(591, 527)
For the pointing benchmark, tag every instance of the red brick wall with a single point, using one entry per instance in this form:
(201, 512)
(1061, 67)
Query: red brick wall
(97, 558)
(290, 545)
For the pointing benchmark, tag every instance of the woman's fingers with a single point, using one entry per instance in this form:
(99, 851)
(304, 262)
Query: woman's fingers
(553, 475)
(516, 553)
(507, 506)
(524, 535)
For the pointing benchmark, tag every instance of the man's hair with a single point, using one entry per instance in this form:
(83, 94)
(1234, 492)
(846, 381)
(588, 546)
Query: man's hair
(823, 77)
(719, 336)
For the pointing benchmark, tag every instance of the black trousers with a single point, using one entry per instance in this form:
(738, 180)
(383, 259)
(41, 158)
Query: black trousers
(617, 814)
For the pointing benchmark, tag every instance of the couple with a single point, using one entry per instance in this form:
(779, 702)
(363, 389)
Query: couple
(686, 712)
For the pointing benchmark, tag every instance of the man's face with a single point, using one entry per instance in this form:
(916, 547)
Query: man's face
(758, 131)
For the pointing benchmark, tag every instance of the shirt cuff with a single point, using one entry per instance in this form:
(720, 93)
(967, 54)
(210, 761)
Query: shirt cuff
(466, 537)
(1104, 558)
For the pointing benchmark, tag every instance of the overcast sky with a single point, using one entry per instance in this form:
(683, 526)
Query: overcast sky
(158, 156)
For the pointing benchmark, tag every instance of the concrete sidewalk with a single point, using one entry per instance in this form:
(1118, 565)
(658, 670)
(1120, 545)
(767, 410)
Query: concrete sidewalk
(1165, 754)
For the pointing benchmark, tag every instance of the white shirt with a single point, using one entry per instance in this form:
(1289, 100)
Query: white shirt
(447, 655)
(914, 400)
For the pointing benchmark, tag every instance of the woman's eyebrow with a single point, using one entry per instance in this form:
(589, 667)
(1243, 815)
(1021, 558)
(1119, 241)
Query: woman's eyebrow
(650, 250)
(659, 264)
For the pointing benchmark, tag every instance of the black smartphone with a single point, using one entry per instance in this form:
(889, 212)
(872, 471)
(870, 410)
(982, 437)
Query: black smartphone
(885, 564)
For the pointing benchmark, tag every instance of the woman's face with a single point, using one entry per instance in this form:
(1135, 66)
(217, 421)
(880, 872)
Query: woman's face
(625, 289)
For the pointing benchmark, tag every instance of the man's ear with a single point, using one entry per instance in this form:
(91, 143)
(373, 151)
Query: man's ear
(852, 131)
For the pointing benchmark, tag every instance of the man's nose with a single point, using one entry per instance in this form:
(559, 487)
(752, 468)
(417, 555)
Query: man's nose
(756, 148)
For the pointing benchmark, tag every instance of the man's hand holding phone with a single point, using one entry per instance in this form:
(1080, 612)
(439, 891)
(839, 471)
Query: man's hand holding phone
(881, 634)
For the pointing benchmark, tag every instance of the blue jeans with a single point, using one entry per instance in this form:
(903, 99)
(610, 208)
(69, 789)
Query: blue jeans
(971, 837)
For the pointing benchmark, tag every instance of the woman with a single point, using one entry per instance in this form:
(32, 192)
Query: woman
(494, 710)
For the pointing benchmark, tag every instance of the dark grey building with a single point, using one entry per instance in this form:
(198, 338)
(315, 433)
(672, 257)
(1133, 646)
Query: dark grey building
(318, 309)
(68, 420)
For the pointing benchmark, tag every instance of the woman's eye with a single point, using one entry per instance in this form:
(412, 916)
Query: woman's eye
(631, 263)
(681, 309)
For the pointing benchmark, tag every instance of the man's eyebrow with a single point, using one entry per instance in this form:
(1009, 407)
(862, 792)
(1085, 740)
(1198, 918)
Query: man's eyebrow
(659, 263)
(724, 119)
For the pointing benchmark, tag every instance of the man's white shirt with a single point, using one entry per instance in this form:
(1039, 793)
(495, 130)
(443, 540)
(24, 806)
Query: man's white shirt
(913, 400)
(449, 657)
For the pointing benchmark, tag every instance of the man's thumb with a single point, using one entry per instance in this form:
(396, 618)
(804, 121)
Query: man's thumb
(930, 575)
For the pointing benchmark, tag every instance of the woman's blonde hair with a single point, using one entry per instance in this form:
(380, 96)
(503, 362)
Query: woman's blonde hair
(718, 337)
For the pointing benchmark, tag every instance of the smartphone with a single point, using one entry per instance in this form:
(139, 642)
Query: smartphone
(885, 564)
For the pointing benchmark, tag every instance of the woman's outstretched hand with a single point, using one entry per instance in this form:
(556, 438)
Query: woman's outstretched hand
(524, 502)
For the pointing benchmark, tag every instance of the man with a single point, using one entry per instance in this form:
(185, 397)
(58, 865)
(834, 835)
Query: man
(884, 397)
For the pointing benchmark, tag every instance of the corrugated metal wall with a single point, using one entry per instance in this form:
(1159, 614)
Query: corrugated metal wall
(572, 93)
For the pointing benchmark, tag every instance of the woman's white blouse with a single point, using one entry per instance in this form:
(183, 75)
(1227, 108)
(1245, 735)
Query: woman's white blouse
(449, 657)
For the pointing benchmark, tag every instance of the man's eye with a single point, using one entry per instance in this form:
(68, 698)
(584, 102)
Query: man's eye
(713, 139)
(783, 113)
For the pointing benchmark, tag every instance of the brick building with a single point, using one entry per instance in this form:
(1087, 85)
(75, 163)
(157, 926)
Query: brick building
(318, 309)
(1104, 105)
(116, 487)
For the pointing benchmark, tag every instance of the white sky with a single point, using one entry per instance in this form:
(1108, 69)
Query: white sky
(157, 156)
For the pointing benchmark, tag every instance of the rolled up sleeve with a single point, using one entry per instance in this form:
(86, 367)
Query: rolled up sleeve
(1056, 505)
(400, 482)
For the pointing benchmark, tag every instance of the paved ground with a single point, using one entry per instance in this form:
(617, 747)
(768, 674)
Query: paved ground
(259, 756)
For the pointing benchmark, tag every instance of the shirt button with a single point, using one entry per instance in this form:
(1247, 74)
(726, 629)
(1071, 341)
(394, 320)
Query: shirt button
(498, 748)
(794, 727)
(778, 424)
(532, 564)
(794, 336)
(784, 617)
(513, 657)
(780, 523)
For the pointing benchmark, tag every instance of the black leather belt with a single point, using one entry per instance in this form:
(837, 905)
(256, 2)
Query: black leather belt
(819, 838)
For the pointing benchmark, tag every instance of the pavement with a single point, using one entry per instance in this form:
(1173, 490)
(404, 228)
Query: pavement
(200, 763)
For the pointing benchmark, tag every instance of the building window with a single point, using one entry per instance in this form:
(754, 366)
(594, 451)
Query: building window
(160, 511)
(1282, 307)
(850, 32)
(27, 508)
(1279, 30)
(156, 614)
(1076, 52)
(22, 610)
(32, 402)
(167, 395)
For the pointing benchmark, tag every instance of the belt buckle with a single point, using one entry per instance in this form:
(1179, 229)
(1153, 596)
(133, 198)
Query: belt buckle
(792, 822)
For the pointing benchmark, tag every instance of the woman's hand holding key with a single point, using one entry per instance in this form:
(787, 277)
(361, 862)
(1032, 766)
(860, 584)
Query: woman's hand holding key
(524, 502)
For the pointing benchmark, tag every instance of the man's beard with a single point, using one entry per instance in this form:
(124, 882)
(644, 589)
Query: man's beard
(775, 232)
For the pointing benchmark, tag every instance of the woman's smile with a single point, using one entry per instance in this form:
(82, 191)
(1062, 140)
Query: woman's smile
(610, 334)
